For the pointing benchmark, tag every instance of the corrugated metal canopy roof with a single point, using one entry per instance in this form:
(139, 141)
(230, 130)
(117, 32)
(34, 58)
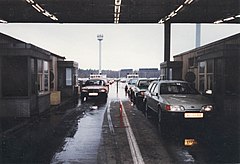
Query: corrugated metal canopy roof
(130, 11)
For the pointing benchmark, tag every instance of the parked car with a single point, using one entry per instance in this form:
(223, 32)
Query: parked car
(139, 89)
(95, 88)
(172, 99)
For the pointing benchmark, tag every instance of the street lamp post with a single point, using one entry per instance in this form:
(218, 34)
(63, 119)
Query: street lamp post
(100, 38)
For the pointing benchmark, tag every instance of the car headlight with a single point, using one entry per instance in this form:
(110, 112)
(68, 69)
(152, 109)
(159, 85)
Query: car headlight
(84, 90)
(142, 93)
(206, 108)
(102, 90)
(175, 108)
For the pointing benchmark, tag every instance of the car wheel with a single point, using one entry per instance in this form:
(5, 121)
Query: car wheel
(134, 99)
(159, 116)
(161, 121)
(142, 106)
(137, 103)
(82, 98)
(147, 111)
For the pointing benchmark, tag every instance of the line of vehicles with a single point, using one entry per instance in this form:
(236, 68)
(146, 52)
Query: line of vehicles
(97, 86)
(168, 99)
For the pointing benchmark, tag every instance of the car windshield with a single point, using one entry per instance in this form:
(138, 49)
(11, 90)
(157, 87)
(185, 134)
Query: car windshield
(95, 82)
(143, 84)
(177, 88)
(132, 81)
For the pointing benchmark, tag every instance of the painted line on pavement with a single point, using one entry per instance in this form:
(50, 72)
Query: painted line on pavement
(109, 119)
(135, 151)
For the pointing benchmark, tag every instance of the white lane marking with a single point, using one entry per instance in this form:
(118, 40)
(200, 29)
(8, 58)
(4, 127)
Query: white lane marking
(109, 119)
(135, 151)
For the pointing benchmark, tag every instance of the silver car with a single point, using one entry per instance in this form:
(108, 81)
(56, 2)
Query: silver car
(176, 99)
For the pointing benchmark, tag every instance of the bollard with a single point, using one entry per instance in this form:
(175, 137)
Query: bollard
(121, 116)
(117, 86)
(121, 110)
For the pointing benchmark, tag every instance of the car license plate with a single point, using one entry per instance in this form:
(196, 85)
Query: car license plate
(190, 142)
(193, 115)
(93, 94)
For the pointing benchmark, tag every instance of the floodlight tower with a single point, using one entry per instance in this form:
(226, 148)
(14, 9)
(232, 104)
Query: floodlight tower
(100, 38)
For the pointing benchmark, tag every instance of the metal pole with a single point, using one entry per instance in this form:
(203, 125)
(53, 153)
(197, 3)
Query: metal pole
(100, 38)
(167, 43)
(198, 35)
(100, 68)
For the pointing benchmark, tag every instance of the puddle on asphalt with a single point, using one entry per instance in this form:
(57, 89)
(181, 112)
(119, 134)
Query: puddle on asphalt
(83, 146)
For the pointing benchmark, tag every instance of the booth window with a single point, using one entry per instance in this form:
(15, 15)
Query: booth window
(43, 76)
(205, 80)
(162, 73)
(192, 62)
(14, 76)
(68, 76)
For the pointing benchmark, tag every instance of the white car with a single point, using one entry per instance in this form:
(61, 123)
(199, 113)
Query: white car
(173, 100)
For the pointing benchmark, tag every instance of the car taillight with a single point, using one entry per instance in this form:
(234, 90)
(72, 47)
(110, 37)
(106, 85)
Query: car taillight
(168, 107)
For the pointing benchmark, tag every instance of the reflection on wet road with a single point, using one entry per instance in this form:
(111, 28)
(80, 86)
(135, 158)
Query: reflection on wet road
(196, 141)
(83, 146)
(76, 133)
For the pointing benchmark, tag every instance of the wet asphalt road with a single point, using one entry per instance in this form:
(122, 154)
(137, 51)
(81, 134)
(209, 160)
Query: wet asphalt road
(94, 132)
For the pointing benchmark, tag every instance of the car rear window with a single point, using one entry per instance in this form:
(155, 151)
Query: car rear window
(143, 84)
(177, 88)
(94, 82)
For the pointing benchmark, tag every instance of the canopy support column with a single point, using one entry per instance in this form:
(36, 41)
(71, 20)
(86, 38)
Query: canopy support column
(167, 42)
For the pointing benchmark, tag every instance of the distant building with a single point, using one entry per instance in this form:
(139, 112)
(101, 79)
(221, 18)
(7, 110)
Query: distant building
(125, 72)
(30, 78)
(149, 73)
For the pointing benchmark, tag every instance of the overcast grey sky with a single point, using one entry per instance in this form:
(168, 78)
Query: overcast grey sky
(124, 45)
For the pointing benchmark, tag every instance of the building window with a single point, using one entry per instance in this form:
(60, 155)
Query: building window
(205, 80)
(162, 74)
(75, 80)
(192, 62)
(14, 76)
(46, 75)
(43, 76)
(68, 76)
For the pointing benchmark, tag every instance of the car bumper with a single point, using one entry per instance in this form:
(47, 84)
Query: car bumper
(187, 116)
(94, 95)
